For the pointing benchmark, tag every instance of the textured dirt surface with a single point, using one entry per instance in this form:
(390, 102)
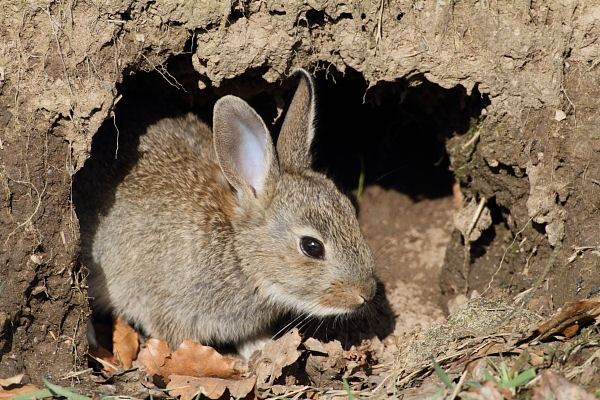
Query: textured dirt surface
(504, 94)
(409, 239)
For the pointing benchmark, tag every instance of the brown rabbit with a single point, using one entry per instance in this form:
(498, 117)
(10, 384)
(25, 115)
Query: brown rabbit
(214, 237)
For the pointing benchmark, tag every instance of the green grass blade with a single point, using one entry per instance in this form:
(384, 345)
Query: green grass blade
(438, 394)
(442, 375)
(351, 396)
(40, 394)
(504, 376)
(493, 364)
(488, 376)
(519, 380)
(63, 392)
(361, 179)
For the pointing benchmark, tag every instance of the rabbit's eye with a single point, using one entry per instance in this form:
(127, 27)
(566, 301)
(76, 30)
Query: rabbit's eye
(312, 247)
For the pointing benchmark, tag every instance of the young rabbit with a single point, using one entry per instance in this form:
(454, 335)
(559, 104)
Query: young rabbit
(213, 237)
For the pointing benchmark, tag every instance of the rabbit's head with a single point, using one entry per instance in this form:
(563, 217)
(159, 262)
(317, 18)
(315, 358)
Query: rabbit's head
(296, 234)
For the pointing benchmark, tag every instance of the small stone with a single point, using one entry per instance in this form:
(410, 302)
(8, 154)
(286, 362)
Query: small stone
(560, 115)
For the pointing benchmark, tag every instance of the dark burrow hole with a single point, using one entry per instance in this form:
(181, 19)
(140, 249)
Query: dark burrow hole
(393, 134)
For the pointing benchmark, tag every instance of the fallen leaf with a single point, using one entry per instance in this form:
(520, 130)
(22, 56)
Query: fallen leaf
(189, 386)
(571, 331)
(125, 346)
(194, 359)
(324, 370)
(153, 355)
(125, 342)
(269, 363)
(190, 359)
(569, 315)
(554, 386)
(13, 380)
(10, 393)
(314, 345)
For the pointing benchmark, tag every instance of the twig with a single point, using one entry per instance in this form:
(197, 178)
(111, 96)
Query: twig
(580, 248)
(473, 139)
(77, 373)
(467, 257)
(458, 385)
(117, 129)
(382, 382)
(475, 218)
(504, 255)
(379, 29)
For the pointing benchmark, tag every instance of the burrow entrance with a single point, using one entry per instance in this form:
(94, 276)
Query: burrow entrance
(384, 145)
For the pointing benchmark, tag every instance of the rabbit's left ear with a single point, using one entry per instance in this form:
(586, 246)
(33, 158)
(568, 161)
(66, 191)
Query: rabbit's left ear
(244, 148)
(297, 131)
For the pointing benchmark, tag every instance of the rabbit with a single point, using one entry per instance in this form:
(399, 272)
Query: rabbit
(214, 236)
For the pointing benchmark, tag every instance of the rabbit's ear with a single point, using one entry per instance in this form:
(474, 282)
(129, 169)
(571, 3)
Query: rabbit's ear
(243, 146)
(297, 131)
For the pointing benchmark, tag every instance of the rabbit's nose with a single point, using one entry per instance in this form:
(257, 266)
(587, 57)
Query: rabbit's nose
(367, 290)
(349, 294)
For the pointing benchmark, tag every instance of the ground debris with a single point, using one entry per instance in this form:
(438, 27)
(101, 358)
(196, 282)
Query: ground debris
(269, 363)
(570, 318)
(554, 386)
(13, 386)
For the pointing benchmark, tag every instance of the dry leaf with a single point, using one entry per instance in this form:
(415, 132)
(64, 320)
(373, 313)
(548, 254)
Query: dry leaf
(125, 348)
(324, 370)
(125, 342)
(10, 393)
(189, 386)
(194, 359)
(153, 355)
(190, 359)
(314, 345)
(269, 363)
(570, 314)
(14, 380)
(554, 386)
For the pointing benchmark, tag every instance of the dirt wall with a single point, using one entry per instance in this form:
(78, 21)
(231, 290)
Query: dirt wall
(61, 64)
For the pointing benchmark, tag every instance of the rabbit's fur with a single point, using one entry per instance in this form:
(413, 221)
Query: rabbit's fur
(202, 239)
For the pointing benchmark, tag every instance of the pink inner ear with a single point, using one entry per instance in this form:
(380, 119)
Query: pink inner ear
(251, 153)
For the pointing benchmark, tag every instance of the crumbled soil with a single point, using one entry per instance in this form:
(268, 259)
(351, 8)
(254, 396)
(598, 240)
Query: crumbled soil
(499, 98)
